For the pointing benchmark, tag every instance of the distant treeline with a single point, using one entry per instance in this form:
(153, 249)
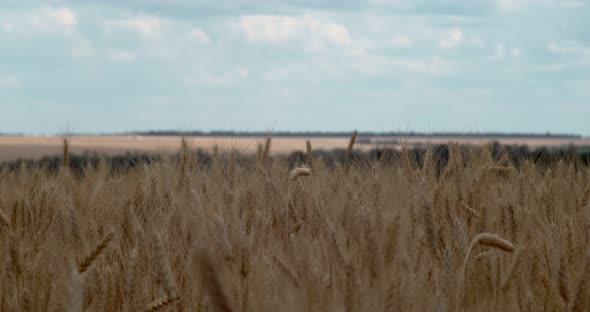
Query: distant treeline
(325, 134)
(347, 134)
(502, 154)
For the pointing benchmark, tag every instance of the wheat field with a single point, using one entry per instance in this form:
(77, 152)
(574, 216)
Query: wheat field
(479, 234)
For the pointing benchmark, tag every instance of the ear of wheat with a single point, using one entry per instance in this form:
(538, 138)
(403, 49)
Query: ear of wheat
(299, 172)
(500, 170)
(160, 303)
(348, 152)
(485, 239)
(96, 252)
(163, 266)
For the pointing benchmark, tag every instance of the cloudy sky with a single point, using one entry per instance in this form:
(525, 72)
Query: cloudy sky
(422, 65)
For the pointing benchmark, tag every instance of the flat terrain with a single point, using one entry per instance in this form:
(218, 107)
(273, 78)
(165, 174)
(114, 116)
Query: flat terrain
(33, 147)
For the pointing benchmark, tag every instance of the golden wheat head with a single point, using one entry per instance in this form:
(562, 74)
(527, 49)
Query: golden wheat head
(299, 172)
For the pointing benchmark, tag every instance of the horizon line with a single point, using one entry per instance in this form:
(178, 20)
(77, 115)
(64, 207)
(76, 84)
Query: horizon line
(311, 133)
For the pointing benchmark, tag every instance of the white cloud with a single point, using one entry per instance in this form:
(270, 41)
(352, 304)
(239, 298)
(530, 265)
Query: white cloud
(270, 28)
(394, 4)
(401, 41)
(552, 47)
(279, 28)
(500, 51)
(163, 101)
(82, 48)
(143, 25)
(336, 33)
(6, 26)
(582, 87)
(520, 5)
(46, 20)
(571, 48)
(474, 40)
(362, 48)
(358, 52)
(379, 64)
(242, 71)
(199, 36)
(314, 72)
(62, 16)
(515, 52)
(225, 79)
(121, 56)
(451, 38)
(514, 5)
(577, 51)
(434, 66)
(573, 4)
(278, 74)
(9, 82)
(360, 55)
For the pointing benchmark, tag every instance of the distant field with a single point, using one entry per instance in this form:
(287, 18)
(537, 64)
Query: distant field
(14, 147)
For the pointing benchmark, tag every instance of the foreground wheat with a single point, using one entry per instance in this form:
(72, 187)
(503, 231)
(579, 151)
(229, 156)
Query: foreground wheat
(467, 232)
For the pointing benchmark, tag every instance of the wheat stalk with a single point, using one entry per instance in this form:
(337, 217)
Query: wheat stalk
(66, 153)
(163, 266)
(216, 153)
(75, 292)
(585, 198)
(96, 252)
(286, 270)
(471, 210)
(184, 146)
(184, 154)
(4, 223)
(309, 155)
(259, 153)
(581, 299)
(266, 151)
(212, 284)
(563, 279)
(511, 269)
(131, 273)
(15, 257)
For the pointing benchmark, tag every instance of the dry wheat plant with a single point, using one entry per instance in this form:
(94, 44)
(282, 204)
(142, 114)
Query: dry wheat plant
(176, 235)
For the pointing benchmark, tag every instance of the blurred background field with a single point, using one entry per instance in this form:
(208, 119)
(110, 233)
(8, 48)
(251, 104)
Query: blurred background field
(35, 147)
